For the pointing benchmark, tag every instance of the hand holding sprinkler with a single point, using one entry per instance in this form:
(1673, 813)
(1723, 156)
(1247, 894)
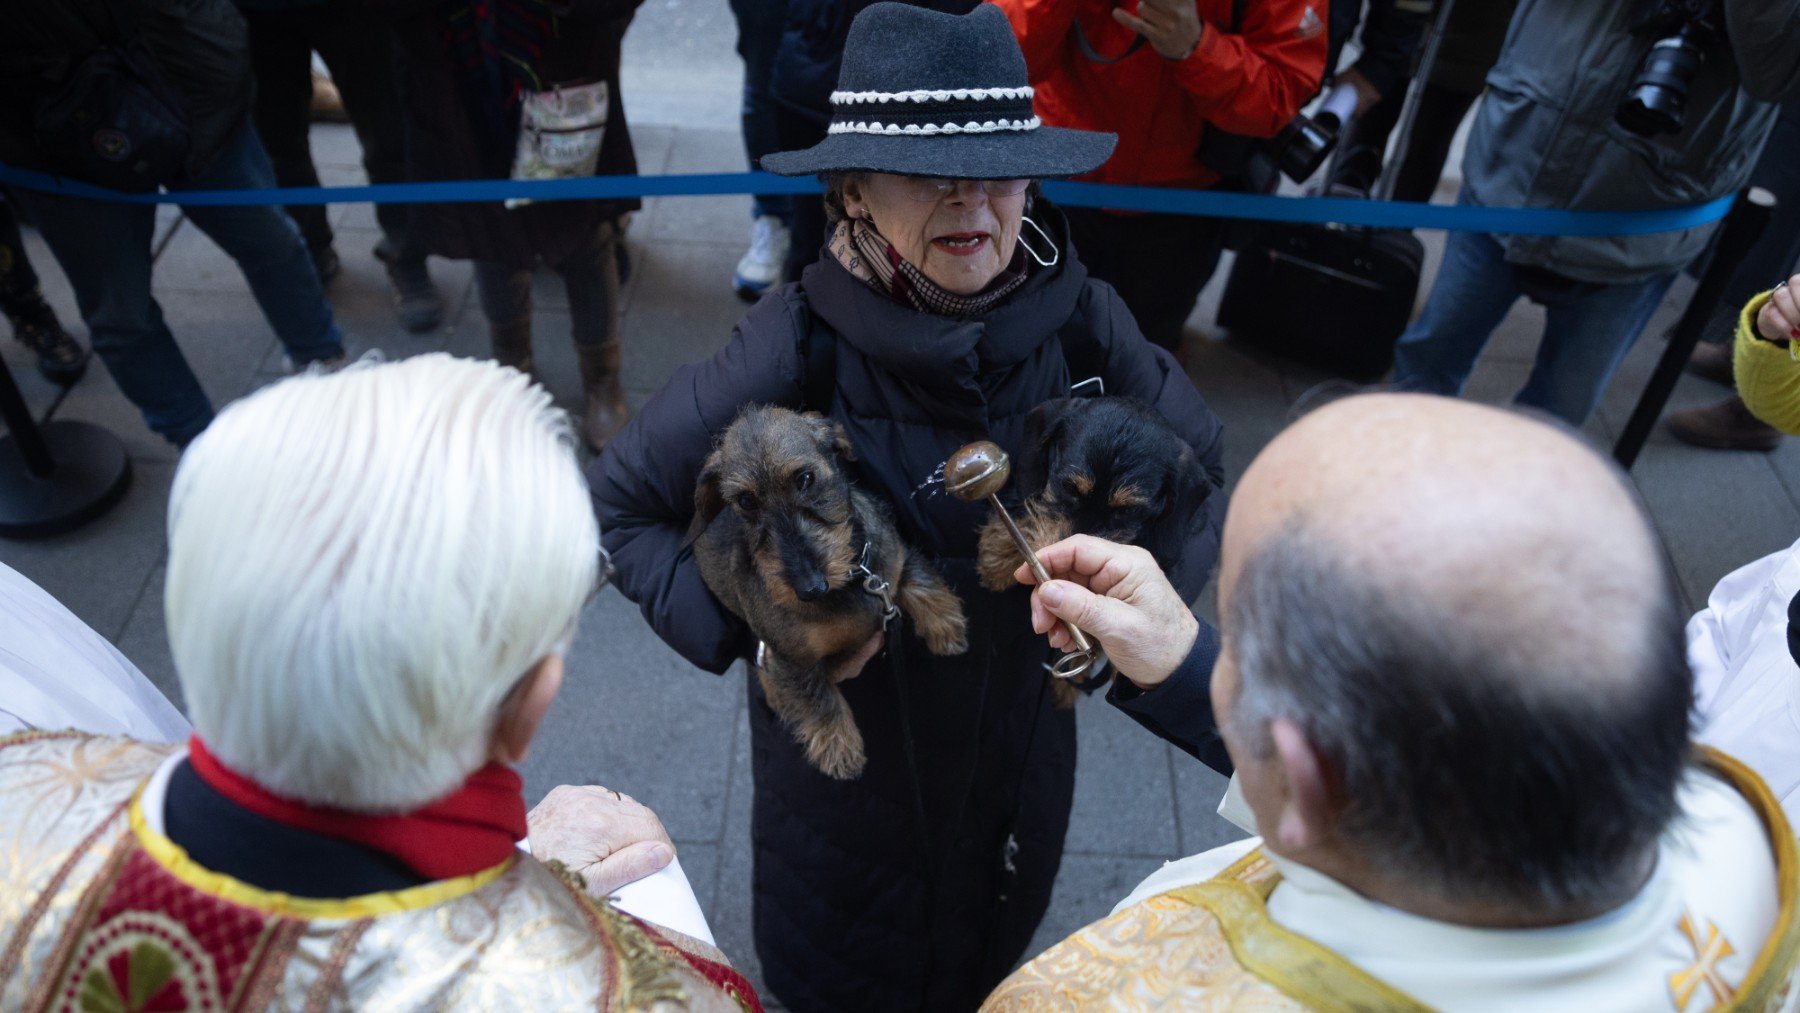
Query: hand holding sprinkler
(980, 470)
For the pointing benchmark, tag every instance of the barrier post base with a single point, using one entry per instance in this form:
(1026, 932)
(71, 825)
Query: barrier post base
(91, 474)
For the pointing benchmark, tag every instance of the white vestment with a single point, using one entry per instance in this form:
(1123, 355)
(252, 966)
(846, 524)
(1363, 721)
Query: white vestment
(1745, 677)
(1691, 933)
(57, 673)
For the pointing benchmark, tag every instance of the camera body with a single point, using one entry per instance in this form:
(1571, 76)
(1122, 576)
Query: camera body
(1684, 30)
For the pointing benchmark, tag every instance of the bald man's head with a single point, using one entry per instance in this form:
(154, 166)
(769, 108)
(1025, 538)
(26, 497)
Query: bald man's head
(1469, 616)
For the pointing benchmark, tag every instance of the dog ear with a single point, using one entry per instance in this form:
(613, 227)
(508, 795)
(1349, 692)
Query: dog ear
(831, 436)
(1189, 488)
(1043, 428)
(707, 501)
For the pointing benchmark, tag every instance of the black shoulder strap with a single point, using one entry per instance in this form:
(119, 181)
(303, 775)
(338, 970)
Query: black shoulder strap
(1083, 355)
(818, 360)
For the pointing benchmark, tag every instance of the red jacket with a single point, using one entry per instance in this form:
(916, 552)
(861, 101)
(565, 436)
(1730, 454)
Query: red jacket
(1251, 81)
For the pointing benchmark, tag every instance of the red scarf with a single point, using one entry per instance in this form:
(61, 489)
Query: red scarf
(471, 829)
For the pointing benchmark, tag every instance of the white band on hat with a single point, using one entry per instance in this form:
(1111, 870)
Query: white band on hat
(926, 95)
(991, 126)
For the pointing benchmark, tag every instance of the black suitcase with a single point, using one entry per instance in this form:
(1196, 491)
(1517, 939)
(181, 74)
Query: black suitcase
(1335, 297)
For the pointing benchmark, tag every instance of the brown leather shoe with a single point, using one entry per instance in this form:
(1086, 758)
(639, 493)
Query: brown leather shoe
(1727, 425)
(603, 410)
(1712, 361)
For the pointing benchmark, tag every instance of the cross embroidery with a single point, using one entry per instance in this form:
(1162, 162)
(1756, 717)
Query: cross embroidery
(1705, 969)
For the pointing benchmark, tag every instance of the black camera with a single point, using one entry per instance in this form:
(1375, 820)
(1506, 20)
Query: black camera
(1304, 144)
(1657, 99)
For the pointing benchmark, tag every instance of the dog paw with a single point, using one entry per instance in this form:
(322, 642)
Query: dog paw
(836, 750)
(1063, 694)
(997, 557)
(947, 635)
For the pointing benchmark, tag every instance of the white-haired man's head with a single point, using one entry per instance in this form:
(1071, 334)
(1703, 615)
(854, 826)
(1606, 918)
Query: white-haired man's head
(364, 568)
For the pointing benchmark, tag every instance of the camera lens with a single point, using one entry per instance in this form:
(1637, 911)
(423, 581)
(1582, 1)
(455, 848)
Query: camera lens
(1658, 94)
(1303, 144)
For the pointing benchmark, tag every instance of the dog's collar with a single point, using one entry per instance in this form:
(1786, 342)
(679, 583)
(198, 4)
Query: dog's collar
(875, 584)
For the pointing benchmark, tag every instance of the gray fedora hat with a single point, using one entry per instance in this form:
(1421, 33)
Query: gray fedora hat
(923, 93)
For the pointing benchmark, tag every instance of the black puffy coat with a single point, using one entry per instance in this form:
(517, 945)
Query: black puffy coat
(845, 914)
(805, 70)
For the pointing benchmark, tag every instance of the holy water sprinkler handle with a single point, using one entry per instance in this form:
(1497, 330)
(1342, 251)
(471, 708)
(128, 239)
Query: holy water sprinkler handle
(980, 470)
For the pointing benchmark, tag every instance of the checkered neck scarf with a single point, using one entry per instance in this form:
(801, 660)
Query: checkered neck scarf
(866, 254)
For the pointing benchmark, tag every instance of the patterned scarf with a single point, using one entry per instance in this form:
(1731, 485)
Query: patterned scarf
(867, 255)
(496, 51)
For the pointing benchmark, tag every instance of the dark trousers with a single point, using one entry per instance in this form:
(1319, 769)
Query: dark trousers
(759, 35)
(591, 276)
(357, 47)
(1159, 263)
(795, 131)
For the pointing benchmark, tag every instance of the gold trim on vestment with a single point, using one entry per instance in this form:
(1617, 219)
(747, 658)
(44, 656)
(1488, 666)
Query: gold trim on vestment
(1774, 966)
(174, 858)
(1299, 967)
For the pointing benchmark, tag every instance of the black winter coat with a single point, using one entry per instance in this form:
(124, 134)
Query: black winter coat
(805, 70)
(847, 916)
(444, 143)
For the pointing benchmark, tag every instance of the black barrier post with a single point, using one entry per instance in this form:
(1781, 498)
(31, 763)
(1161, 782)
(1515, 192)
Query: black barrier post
(56, 478)
(1742, 228)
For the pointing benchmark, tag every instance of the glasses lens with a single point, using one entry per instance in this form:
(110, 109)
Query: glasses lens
(930, 188)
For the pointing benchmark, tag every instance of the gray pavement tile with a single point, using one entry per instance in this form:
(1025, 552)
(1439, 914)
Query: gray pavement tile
(730, 910)
(145, 639)
(634, 716)
(680, 65)
(335, 147)
(1086, 890)
(1198, 789)
(702, 219)
(1245, 393)
(1124, 802)
(678, 315)
(99, 571)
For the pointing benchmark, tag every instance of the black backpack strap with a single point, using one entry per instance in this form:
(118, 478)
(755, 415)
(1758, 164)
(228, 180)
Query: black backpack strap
(818, 362)
(1083, 355)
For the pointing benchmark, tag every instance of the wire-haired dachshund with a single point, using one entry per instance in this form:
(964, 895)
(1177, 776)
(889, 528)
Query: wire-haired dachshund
(779, 533)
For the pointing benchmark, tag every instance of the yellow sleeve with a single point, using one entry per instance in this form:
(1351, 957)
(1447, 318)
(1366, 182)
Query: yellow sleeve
(1768, 375)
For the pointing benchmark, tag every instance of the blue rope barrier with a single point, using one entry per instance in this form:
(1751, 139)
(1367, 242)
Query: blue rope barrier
(1217, 204)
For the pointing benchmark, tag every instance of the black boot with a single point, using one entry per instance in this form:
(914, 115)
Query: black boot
(416, 299)
(61, 359)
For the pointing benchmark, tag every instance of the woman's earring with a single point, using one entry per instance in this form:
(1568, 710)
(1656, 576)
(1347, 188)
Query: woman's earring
(1055, 251)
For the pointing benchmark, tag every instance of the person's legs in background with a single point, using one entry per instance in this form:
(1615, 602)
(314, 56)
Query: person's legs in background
(505, 294)
(357, 47)
(60, 358)
(268, 249)
(104, 248)
(281, 56)
(1472, 294)
(794, 131)
(1158, 263)
(592, 279)
(1727, 424)
(1441, 112)
(1585, 338)
(759, 34)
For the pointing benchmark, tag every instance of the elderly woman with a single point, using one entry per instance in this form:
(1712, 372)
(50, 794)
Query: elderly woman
(949, 305)
(367, 640)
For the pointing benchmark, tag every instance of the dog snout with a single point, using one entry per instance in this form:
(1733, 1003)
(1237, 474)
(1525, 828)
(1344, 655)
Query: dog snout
(811, 587)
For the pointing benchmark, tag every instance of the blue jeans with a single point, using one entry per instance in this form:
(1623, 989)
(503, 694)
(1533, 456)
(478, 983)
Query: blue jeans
(1586, 333)
(104, 248)
(759, 36)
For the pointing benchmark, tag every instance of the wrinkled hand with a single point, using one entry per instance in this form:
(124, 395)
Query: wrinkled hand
(1120, 597)
(1171, 26)
(611, 839)
(1779, 319)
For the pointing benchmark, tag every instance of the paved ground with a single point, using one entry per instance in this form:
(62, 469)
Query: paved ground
(633, 714)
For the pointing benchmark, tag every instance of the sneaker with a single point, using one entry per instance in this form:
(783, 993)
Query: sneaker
(325, 262)
(1712, 361)
(326, 365)
(760, 268)
(1727, 425)
(60, 358)
(416, 299)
